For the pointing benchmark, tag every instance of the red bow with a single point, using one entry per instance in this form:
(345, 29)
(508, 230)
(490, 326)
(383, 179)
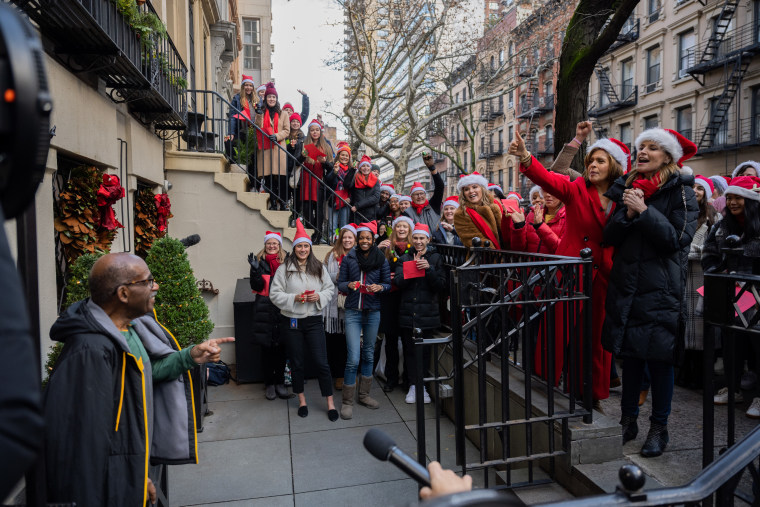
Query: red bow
(109, 192)
(163, 210)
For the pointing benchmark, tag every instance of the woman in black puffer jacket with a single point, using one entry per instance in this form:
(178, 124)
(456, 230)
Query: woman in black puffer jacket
(419, 301)
(266, 315)
(365, 191)
(651, 230)
(364, 275)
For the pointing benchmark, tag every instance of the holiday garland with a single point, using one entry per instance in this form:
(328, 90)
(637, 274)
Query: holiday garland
(152, 213)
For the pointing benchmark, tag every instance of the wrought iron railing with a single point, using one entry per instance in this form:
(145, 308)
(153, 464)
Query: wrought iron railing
(735, 42)
(620, 97)
(731, 135)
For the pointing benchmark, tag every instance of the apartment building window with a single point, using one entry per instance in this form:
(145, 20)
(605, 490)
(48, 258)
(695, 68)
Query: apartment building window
(252, 44)
(755, 101)
(501, 103)
(756, 12)
(653, 10)
(548, 89)
(482, 145)
(683, 121)
(653, 68)
(490, 143)
(626, 77)
(458, 133)
(501, 178)
(511, 49)
(501, 141)
(651, 122)
(501, 57)
(510, 99)
(549, 139)
(511, 176)
(686, 42)
(626, 135)
(493, 63)
(722, 134)
(464, 94)
(456, 98)
(466, 158)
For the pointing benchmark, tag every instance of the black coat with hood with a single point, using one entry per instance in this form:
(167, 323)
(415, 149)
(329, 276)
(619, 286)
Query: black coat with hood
(419, 296)
(103, 413)
(365, 199)
(266, 316)
(645, 314)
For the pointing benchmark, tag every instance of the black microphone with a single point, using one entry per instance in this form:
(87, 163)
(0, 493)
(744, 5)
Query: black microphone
(191, 240)
(381, 446)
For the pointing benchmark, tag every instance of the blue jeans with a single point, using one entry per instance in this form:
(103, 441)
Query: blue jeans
(338, 218)
(661, 375)
(356, 322)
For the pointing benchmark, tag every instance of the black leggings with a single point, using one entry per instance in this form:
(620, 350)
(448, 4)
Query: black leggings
(309, 334)
(410, 360)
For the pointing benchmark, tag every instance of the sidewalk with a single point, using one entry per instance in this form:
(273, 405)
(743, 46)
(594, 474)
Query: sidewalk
(254, 453)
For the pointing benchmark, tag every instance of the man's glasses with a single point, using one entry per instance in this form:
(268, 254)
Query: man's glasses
(149, 281)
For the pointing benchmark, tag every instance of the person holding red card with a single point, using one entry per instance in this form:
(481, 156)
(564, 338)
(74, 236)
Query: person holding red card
(266, 316)
(364, 275)
(420, 276)
(318, 159)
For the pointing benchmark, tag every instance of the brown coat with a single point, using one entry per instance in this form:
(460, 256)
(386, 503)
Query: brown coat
(467, 230)
(273, 161)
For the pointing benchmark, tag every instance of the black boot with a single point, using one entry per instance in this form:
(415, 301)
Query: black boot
(630, 427)
(657, 440)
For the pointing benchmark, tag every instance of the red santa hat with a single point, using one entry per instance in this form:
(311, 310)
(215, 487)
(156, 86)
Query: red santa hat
(451, 201)
(350, 227)
(616, 149)
(417, 187)
(342, 146)
(403, 218)
(367, 226)
(494, 186)
(402, 198)
(273, 235)
(295, 116)
(261, 88)
(288, 105)
(270, 90)
(421, 229)
(318, 124)
(246, 79)
(748, 163)
(387, 187)
(719, 181)
(514, 195)
(534, 189)
(474, 178)
(365, 160)
(301, 236)
(745, 186)
(706, 184)
(676, 145)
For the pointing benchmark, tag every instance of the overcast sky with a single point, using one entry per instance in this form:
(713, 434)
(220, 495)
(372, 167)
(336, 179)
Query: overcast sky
(304, 34)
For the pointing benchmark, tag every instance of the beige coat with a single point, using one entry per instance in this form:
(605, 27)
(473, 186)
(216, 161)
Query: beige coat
(273, 161)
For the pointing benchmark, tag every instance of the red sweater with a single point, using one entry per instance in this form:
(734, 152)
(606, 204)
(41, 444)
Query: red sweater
(544, 239)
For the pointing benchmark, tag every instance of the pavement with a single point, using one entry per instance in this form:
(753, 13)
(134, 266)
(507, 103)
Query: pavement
(255, 452)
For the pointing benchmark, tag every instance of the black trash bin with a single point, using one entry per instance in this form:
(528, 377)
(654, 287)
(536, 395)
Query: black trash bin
(247, 354)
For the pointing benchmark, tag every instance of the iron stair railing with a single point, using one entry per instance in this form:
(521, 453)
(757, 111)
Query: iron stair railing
(720, 28)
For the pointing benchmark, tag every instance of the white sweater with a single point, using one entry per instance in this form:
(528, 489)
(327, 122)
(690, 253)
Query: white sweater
(283, 289)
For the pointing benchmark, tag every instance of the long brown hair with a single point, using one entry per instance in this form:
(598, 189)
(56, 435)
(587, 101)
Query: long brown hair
(313, 266)
(244, 98)
(321, 143)
(615, 170)
(390, 252)
(337, 250)
(706, 212)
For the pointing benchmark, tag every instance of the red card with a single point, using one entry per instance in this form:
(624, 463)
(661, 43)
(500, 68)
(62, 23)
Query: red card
(510, 205)
(746, 301)
(313, 151)
(412, 271)
(241, 117)
(265, 291)
(363, 289)
(307, 292)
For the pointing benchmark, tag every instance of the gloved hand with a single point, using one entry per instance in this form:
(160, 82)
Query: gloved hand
(253, 261)
(273, 138)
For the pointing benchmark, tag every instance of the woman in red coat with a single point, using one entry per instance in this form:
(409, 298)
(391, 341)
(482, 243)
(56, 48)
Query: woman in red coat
(587, 212)
(543, 229)
(312, 195)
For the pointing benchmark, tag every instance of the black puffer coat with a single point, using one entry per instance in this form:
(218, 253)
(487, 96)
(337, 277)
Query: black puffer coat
(715, 260)
(365, 199)
(351, 272)
(266, 316)
(645, 311)
(419, 296)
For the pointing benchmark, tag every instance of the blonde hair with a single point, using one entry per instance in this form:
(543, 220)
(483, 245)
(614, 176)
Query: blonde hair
(665, 173)
(391, 251)
(614, 172)
(337, 250)
(280, 254)
(321, 143)
(487, 199)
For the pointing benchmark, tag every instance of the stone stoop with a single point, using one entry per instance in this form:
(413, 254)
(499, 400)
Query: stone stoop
(238, 183)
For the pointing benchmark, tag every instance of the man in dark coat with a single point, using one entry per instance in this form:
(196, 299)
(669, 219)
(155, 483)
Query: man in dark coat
(423, 211)
(110, 405)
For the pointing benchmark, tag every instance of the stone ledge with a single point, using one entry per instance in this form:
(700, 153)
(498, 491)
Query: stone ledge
(195, 161)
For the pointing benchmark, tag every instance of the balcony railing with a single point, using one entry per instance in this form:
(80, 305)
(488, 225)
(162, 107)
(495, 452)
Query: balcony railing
(602, 103)
(491, 151)
(92, 35)
(731, 136)
(736, 42)
(536, 105)
(629, 33)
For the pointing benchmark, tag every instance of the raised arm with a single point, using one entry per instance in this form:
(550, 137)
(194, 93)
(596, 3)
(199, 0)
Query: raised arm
(557, 184)
(562, 163)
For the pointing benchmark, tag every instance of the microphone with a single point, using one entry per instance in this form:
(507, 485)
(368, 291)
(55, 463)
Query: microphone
(381, 446)
(191, 240)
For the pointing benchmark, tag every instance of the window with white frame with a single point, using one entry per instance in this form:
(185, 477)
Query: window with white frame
(653, 68)
(651, 122)
(686, 42)
(252, 44)
(626, 78)
(683, 121)
(626, 135)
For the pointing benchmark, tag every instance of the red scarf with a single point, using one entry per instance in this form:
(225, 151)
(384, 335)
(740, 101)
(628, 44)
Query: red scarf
(274, 262)
(361, 181)
(269, 128)
(340, 189)
(647, 186)
(419, 207)
(483, 226)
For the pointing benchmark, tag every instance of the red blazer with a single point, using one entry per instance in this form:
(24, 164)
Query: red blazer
(545, 239)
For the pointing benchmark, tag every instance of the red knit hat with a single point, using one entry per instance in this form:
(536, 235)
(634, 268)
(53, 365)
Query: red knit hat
(301, 236)
(288, 105)
(295, 116)
(246, 79)
(367, 226)
(273, 235)
(676, 145)
(706, 184)
(616, 149)
(365, 160)
(270, 90)
(421, 229)
(342, 146)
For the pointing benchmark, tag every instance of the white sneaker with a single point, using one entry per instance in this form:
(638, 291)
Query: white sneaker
(411, 396)
(722, 397)
(426, 397)
(753, 412)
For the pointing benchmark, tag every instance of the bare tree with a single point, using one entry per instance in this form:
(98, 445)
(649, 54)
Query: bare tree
(593, 28)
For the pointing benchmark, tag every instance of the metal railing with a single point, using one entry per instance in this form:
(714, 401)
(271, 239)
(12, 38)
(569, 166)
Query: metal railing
(501, 303)
(732, 135)
(737, 41)
(622, 96)
(212, 129)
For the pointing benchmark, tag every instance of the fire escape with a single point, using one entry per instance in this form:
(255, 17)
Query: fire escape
(615, 97)
(731, 51)
(488, 116)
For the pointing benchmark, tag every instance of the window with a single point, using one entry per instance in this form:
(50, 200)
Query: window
(501, 57)
(511, 49)
(653, 10)
(482, 145)
(549, 139)
(501, 103)
(456, 98)
(501, 141)
(683, 121)
(510, 134)
(464, 94)
(465, 161)
(651, 122)
(252, 45)
(548, 89)
(626, 135)
(722, 134)
(490, 143)
(686, 43)
(755, 94)
(757, 20)
(511, 176)
(501, 178)
(653, 68)
(510, 100)
(626, 78)
(493, 63)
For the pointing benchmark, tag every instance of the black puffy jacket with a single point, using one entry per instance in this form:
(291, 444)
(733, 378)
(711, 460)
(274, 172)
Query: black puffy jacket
(266, 315)
(350, 272)
(365, 199)
(645, 313)
(419, 296)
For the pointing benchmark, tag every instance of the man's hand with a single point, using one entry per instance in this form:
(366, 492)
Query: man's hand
(582, 130)
(517, 146)
(353, 208)
(429, 161)
(444, 482)
(152, 494)
(209, 351)
(447, 226)
(422, 263)
(273, 138)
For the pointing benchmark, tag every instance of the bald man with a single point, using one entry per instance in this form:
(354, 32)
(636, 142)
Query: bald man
(120, 394)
